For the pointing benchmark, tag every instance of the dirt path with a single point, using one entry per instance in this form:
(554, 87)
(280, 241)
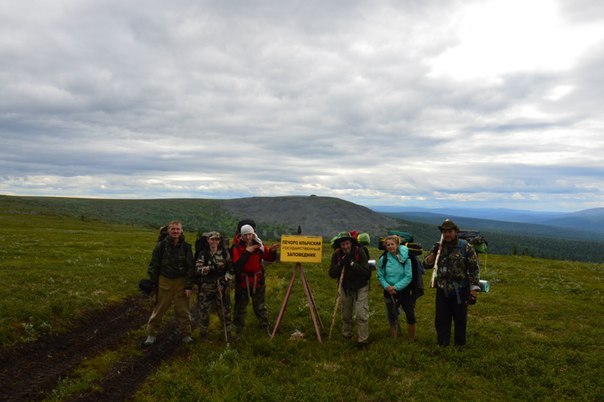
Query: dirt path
(30, 371)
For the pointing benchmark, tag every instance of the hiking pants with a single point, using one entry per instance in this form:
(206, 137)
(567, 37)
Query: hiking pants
(208, 299)
(449, 310)
(258, 303)
(170, 291)
(405, 300)
(357, 302)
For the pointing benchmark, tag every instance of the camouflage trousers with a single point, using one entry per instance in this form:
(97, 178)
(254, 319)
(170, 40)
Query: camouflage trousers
(207, 299)
(242, 298)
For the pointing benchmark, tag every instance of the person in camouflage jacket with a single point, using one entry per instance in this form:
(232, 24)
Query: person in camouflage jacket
(456, 283)
(214, 272)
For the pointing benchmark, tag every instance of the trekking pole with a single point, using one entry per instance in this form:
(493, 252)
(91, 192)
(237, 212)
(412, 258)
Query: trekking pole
(435, 269)
(395, 312)
(220, 294)
(335, 309)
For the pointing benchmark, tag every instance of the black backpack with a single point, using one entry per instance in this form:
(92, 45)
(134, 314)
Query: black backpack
(201, 244)
(237, 236)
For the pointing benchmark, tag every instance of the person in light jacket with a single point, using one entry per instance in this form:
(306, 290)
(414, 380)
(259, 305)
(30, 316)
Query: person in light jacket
(394, 272)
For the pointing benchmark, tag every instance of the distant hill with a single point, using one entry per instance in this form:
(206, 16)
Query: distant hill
(532, 229)
(316, 215)
(516, 238)
(274, 216)
(494, 214)
(590, 221)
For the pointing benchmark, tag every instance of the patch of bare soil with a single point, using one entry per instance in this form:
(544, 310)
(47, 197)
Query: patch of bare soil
(29, 371)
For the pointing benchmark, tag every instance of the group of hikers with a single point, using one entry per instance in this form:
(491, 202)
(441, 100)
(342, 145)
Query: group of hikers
(215, 268)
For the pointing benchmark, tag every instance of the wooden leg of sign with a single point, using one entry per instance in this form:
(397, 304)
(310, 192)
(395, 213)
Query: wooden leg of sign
(284, 305)
(311, 304)
(312, 299)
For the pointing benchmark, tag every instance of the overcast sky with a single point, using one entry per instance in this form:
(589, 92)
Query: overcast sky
(416, 103)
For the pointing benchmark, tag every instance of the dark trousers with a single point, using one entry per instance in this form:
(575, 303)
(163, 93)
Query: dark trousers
(393, 308)
(448, 310)
(242, 298)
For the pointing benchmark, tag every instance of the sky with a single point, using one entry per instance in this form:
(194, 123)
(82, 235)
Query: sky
(437, 103)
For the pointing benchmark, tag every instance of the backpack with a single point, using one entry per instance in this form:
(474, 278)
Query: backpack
(415, 249)
(475, 239)
(201, 244)
(237, 236)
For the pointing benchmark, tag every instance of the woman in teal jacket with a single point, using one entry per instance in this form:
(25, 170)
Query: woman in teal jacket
(395, 273)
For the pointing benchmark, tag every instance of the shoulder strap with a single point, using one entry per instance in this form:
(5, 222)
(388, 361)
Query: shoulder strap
(462, 246)
(162, 248)
(384, 259)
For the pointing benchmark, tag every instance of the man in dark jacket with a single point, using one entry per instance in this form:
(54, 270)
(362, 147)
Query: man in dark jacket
(349, 264)
(456, 283)
(172, 270)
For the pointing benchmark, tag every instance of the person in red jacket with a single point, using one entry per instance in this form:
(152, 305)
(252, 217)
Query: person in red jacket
(248, 255)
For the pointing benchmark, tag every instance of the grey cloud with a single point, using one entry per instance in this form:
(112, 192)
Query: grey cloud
(229, 99)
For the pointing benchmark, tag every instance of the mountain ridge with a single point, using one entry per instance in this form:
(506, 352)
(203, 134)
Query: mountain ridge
(325, 216)
(588, 220)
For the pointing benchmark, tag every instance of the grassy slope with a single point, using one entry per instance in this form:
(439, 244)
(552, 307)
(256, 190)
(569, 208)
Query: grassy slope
(536, 335)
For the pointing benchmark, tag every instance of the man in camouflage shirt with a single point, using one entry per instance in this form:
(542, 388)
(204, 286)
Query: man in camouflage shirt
(456, 283)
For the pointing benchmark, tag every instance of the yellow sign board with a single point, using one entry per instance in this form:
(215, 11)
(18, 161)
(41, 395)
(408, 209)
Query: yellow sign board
(301, 248)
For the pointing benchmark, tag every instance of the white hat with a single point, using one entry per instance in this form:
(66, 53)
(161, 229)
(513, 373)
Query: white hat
(247, 229)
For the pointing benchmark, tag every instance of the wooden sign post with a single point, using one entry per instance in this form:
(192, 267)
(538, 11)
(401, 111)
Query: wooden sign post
(300, 249)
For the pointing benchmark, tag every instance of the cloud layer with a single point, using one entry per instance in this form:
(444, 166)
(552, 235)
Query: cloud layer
(436, 103)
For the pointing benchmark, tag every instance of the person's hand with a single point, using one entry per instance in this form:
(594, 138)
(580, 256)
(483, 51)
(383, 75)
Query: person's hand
(472, 297)
(435, 248)
(391, 289)
(252, 248)
(229, 277)
(221, 286)
(188, 292)
(274, 247)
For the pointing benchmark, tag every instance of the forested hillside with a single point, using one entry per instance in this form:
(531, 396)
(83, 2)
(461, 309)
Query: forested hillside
(316, 215)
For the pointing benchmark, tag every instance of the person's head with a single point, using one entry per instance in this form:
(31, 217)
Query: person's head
(247, 234)
(392, 242)
(214, 240)
(346, 246)
(449, 230)
(174, 230)
(343, 241)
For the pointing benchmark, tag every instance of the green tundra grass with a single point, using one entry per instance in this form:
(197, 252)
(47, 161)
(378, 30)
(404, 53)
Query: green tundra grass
(536, 336)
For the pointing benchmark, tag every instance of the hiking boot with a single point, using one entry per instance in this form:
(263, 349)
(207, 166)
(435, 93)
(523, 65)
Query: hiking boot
(363, 345)
(187, 339)
(149, 341)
